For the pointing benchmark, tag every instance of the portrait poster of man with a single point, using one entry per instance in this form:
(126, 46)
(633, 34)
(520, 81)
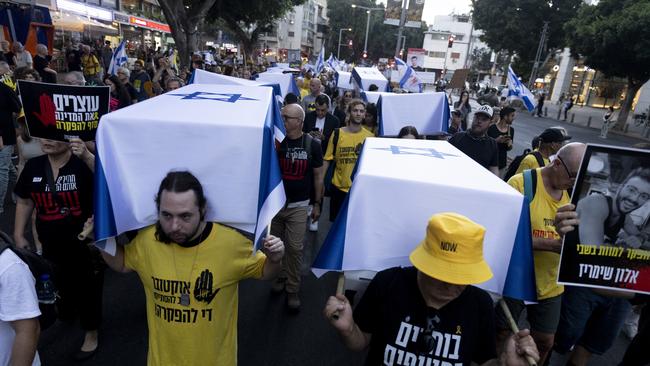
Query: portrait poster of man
(60, 112)
(415, 58)
(610, 248)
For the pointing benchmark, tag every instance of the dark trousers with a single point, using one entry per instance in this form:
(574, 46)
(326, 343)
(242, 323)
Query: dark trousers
(637, 352)
(337, 197)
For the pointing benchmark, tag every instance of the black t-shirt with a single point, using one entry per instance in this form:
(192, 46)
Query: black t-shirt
(10, 58)
(482, 150)
(73, 57)
(297, 170)
(40, 63)
(9, 104)
(75, 189)
(405, 331)
(493, 131)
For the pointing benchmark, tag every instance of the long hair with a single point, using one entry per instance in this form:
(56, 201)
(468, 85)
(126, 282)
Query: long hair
(121, 93)
(178, 182)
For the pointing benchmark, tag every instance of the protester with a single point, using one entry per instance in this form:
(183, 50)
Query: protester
(291, 98)
(19, 326)
(73, 57)
(503, 133)
(475, 142)
(549, 187)
(119, 96)
(342, 105)
(550, 141)
(123, 73)
(22, 57)
(163, 73)
(343, 150)
(141, 81)
(407, 314)
(26, 73)
(166, 258)
(408, 132)
(301, 160)
(314, 91)
(42, 64)
(173, 83)
(464, 107)
(106, 53)
(7, 54)
(9, 104)
(61, 209)
(91, 66)
(540, 104)
(370, 122)
(320, 123)
(607, 121)
(74, 78)
(568, 105)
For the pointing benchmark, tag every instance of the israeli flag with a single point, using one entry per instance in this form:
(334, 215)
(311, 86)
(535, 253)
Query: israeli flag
(285, 80)
(332, 62)
(378, 226)
(223, 134)
(205, 77)
(409, 80)
(517, 90)
(119, 58)
(428, 112)
(320, 63)
(366, 76)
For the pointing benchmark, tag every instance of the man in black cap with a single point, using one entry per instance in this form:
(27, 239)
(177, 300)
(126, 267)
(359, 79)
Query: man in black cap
(550, 141)
(475, 142)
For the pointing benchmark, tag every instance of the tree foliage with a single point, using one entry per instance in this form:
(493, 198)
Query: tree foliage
(382, 38)
(614, 37)
(247, 19)
(515, 26)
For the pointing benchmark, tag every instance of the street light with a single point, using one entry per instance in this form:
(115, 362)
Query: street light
(368, 11)
(338, 52)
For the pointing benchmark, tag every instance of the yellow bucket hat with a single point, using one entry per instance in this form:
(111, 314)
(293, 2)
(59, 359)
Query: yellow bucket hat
(452, 250)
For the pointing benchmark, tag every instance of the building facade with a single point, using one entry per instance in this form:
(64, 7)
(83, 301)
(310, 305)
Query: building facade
(303, 28)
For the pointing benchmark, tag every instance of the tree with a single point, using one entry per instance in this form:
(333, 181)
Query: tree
(247, 19)
(515, 26)
(614, 37)
(185, 19)
(382, 38)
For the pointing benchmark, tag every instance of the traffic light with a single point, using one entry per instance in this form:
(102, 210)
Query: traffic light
(365, 54)
(450, 42)
(350, 43)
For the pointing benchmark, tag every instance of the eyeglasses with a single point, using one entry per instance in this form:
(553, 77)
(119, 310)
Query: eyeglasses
(426, 341)
(569, 174)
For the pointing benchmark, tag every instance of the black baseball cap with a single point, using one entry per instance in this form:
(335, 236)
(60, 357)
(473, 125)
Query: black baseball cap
(553, 135)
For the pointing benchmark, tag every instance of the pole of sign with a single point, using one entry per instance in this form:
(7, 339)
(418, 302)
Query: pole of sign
(402, 20)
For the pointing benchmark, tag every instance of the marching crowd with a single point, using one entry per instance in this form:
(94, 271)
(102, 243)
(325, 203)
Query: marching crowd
(428, 314)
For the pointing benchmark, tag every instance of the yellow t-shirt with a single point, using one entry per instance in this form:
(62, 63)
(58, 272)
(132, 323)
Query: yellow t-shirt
(205, 332)
(542, 214)
(530, 162)
(348, 149)
(90, 65)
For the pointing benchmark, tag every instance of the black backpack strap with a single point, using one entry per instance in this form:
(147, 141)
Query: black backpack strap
(540, 159)
(335, 141)
(307, 146)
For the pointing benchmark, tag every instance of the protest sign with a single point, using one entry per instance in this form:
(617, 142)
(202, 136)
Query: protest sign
(611, 246)
(59, 112)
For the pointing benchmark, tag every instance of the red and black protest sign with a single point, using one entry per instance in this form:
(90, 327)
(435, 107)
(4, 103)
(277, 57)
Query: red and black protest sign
(59, 112)
(611, 246)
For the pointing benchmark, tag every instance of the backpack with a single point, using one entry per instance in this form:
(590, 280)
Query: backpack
(38, 266)
(514, 165)
(327, 184)
(530, 184)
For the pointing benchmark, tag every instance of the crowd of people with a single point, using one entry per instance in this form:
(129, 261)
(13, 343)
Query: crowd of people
(193, 267)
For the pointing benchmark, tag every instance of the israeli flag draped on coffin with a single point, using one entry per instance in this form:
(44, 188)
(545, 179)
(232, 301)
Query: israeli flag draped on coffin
(286, 81)
(428, 112)
(366, 76)
(223, 134)
(399, 184)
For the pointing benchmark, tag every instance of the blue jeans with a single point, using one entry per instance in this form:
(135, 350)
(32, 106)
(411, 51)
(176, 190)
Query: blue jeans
(7, 170)
(589, 320)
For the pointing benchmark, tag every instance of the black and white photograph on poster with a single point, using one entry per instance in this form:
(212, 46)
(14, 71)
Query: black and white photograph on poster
(610, 248)
(60, 112)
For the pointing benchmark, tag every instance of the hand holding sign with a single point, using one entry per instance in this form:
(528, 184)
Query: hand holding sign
(46, 116)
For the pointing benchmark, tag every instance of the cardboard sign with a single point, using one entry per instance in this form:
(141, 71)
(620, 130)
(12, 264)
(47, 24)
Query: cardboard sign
(611, 246)
(60, 112)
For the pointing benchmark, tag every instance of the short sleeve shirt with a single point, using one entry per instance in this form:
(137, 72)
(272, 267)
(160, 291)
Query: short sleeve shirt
(297, 169)
(405, 331)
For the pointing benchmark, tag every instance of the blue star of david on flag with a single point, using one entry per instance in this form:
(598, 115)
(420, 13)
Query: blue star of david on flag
(219, 97)
(404, 150)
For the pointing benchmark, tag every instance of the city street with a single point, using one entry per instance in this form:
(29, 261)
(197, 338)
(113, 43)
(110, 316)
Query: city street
(268, 334)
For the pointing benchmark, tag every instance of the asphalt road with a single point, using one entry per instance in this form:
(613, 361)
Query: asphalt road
(268, 334)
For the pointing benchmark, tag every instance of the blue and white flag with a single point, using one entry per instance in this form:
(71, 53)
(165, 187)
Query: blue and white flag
(320, 63)
(366, 76)
(409, 80)
(378, 226)
(517, 90)
(427, 112)
(344, 80)
(223, 134)
(119, 58)
(286, 81)
(332, 62)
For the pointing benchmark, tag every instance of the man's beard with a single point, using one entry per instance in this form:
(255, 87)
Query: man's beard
(162, 236)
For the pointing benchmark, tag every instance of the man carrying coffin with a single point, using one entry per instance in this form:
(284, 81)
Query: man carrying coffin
(430, 314)
(190, 270)
(548, 187)
(301, 159)
(475, 142)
